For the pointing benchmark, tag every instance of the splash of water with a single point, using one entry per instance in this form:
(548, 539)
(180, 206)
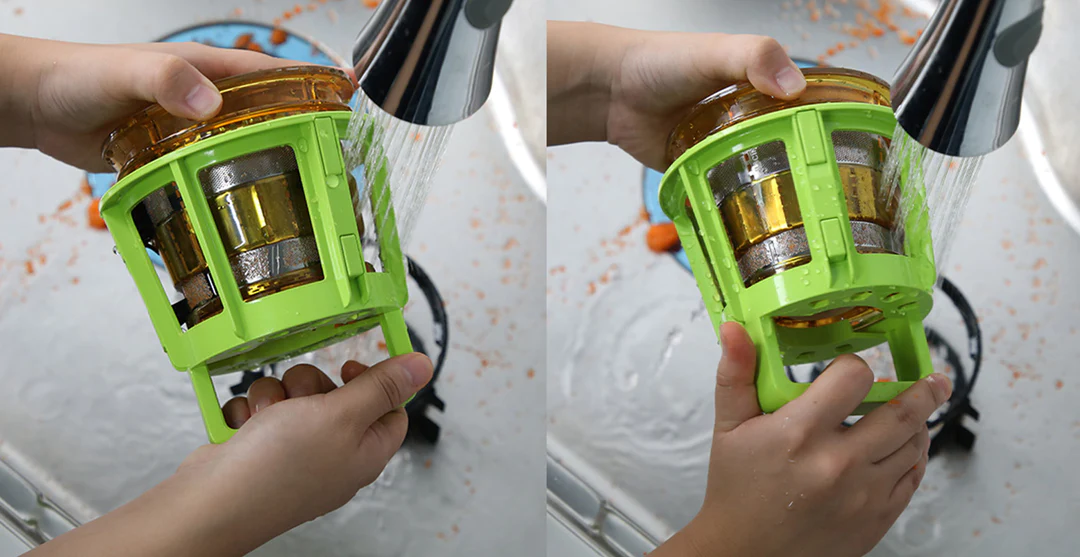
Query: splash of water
(411, 154)
(947, 183)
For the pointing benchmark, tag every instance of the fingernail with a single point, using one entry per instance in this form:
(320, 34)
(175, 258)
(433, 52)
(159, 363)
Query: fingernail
(418, 368)
(941, 386)
(791, 80)
(203, 100)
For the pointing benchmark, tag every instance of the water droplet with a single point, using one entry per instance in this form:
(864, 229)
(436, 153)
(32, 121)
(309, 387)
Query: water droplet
(791, 504)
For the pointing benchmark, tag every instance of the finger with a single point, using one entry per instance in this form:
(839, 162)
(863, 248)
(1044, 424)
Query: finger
(236, 412)
(167, 79)
(909, 454)
(889, 426)
(384, 387)
(264, 392)
(834, 395)
(909, 483)
(736, 395)
(218, 63)
(760, 60)
(351, 370)
(305, 380)
(385, 436)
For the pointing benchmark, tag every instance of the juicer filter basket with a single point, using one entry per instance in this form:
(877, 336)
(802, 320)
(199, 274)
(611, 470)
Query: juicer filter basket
(789, 228)
(258, 221)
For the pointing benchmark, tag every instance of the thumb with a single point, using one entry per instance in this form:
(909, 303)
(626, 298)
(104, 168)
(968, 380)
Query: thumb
(736, 395)
(171, 81)
(382, 388)
(760, 60)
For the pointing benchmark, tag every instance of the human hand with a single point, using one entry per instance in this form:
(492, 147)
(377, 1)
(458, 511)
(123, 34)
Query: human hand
(635, 86)
(305, 447)
(797, 481)
(65, 98)
(662, 75)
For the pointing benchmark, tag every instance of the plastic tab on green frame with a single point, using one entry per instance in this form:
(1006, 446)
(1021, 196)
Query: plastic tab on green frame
(256, 217)
(790, 231)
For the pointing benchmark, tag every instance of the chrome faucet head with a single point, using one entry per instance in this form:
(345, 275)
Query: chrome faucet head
(958, 92)
(429, 62)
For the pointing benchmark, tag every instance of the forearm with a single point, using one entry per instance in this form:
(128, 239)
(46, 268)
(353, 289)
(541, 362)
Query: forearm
(583, 61)
(174, 519)
(700, 538)
(682, 544)
(18, 87)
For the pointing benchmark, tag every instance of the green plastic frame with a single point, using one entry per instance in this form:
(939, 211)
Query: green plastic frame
(836, 276)
(247, 335)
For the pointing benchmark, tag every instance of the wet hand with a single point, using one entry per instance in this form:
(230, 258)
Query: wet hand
(662, 75)
(631, 88)
(797, 481)
(316, 444)
(65, 98)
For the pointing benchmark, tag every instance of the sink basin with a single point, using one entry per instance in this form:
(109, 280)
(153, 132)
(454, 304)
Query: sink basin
(92, 403)
(632, 358)
(1052, 112)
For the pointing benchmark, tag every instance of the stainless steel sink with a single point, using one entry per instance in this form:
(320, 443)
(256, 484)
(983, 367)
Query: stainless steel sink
(1052, 111)
(90, 401)
(632, 359)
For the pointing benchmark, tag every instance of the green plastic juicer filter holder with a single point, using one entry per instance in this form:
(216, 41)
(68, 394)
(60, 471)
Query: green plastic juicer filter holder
(258, 222)
(790, 230)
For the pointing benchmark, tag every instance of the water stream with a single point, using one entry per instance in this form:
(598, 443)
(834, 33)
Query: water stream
(412, 153)
(947, 182)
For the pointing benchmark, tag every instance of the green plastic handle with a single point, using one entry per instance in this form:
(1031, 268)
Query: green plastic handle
(397, 343)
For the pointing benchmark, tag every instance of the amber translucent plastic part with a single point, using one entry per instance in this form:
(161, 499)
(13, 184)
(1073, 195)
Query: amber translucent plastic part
(246, 99)
(742, 101)
(769, 206)
(866, 195)
(261, 213)
(179, 248)
(760, 210)
(282, 282)
(175, 240)
(859, 317)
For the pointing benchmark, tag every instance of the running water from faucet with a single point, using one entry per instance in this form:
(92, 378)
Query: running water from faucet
(422, 66)
(947, 181)
(957, 95)
(411, 154)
